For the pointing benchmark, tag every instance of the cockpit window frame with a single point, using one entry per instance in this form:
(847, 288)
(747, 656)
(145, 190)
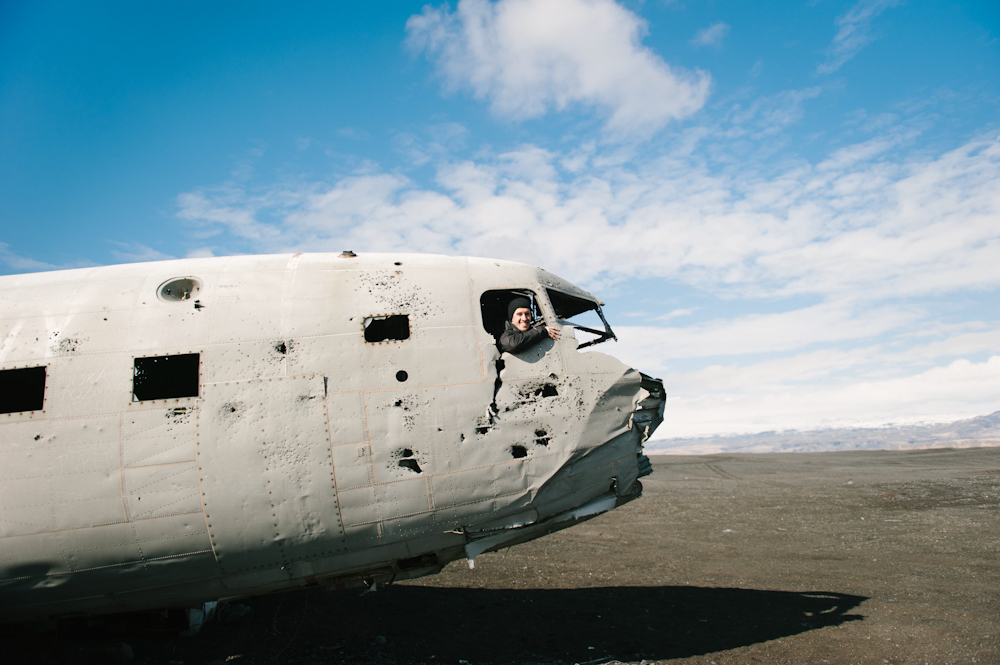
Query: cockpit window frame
(504, 296)
(567, 305)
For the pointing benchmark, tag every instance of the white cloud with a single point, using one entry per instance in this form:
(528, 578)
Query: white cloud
(768, 115)
(866, 236)
(868, 385)
(23, 263)
(230, 207)
(531, 56)
(134, 252)
(866, 226)
(715, 402)
(654, 346)
(353, 133)
(854, 34)
(674, 314)
(712, 35)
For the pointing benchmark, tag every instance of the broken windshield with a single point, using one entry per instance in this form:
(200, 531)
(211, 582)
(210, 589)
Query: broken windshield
(583, 314)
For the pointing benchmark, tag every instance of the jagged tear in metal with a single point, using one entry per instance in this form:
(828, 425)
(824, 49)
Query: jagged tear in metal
(343, 420)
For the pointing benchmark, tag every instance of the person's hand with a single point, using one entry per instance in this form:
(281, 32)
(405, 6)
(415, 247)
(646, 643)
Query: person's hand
(553, 332)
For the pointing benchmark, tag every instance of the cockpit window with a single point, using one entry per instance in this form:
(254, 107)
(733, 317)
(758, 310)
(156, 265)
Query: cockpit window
(494, 308)
(583, 314)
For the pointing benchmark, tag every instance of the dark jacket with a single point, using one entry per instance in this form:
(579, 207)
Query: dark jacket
(514, 341)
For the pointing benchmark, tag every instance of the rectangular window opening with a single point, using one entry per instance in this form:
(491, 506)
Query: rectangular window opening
(392, 328)
(583, 314)
(22, 389)
(493, 305)
(165, 377)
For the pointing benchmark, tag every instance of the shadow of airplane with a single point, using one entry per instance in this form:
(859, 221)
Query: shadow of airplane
(435, 624)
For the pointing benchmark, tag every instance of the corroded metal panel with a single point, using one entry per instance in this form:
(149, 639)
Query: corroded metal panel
(266, 473)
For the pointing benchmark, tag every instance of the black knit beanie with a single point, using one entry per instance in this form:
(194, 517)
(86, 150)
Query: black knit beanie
(515, 304)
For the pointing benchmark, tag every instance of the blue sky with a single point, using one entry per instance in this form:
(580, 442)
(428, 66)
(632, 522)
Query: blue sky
(792, 209)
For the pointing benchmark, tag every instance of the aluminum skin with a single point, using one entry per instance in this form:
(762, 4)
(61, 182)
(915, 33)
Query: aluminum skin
(301, 453)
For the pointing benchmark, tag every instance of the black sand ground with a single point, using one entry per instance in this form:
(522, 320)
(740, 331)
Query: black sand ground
(848, 557)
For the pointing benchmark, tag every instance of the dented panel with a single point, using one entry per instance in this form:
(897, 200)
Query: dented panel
(266, 473)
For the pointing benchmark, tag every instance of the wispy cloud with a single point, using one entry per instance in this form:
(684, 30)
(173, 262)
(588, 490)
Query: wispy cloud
(861, 222)
(822, 382)
(528, 57)
(655, 347)
(134, 252)
(353, 133)
(778, 396)
(854, 33)
(20, 263)
(712, 35)
(835, 264)
(230, 207)
(673, 314)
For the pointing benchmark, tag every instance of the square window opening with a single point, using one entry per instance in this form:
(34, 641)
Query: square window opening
(165, 377)
(392, 328)
(493, 305)
(22, 389)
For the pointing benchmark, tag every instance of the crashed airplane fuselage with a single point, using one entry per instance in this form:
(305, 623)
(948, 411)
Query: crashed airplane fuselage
(207, 429)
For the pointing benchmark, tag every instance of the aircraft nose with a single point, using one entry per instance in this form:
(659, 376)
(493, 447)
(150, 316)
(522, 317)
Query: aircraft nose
(608, 456)
(601, 471)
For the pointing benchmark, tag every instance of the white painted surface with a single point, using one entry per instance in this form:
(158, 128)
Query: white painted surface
(302, 458)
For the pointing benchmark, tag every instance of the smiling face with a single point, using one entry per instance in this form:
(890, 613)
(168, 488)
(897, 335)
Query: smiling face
(521, 318)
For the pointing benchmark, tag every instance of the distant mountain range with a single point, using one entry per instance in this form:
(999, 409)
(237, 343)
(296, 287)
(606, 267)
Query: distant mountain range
(969, 433)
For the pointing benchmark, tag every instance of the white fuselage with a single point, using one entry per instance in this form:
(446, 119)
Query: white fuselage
(299, 451)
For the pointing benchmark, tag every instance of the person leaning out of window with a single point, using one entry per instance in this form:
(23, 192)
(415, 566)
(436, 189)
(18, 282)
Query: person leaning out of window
(518, 335)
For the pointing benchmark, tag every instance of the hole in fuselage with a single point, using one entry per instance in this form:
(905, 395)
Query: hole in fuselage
(410, 464)
(548, 390)
(165, 377)
(518, 452)
(541, 437)
(22, 389)
(393, 328)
